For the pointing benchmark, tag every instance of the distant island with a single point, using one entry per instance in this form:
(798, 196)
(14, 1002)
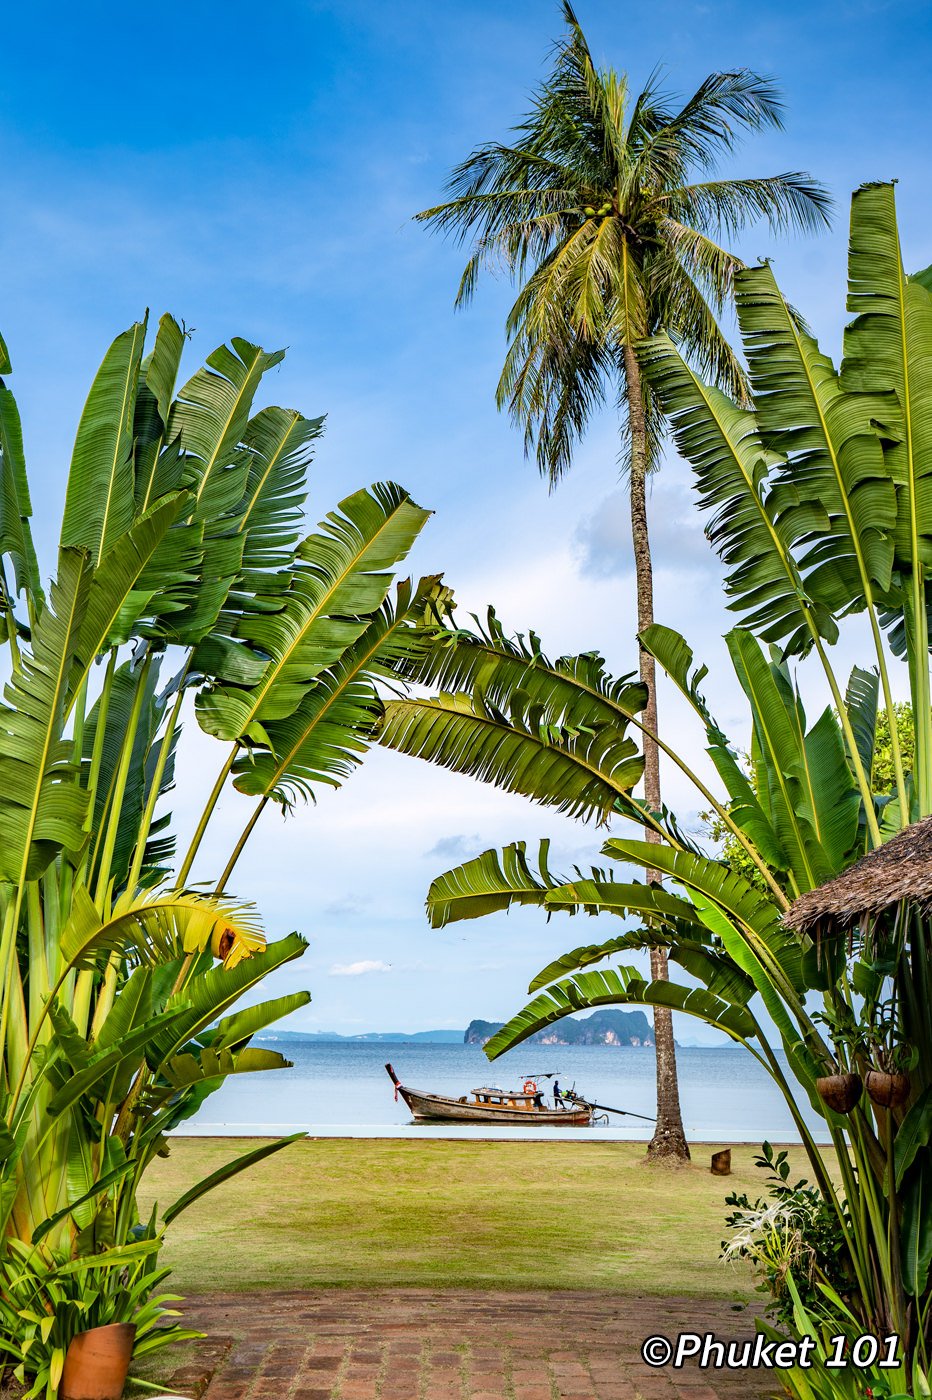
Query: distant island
(601, 1028)
(394, 1037)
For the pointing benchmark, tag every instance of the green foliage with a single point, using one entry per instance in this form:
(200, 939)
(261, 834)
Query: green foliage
(180, 547)
(882, 774)
(792, 1233)
(46, 1300)
(818, 486)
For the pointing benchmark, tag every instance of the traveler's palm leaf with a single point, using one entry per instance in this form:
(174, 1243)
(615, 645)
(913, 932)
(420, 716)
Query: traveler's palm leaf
(561, 756)
(734, 480)
(15, 504)
(279, 443)
(803, 780)
(42, 805)
(341, 579)
(889, 347)
(488, 883)
(100, 502)
(836, 459)
(676, 657)
(326, 737)
(572, 704)
(692, 946)
(208, 419)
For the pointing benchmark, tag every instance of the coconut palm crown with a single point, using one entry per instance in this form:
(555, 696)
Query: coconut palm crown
(607, 211)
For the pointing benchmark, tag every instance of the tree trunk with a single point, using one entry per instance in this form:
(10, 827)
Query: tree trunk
(669, 1140)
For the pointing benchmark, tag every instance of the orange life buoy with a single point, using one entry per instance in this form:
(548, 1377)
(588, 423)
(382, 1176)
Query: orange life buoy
(530, 1086)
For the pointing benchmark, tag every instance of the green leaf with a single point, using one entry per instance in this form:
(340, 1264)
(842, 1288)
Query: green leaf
(331, 730)
(243, 1025)
(887, 351)
(207, 423)
(42, 805)
(15, 505)
(207, 996)
(734, 477)
(745, 810)
(487, 883)
(805, 778)
(916, 1229)
(913, 1134)
(99, 504)
(113, 592)
(836, 460)
(157, 471)
(752, 934)
(224, 1173)
(340, 581)
(104, 1184)
(128, 1048)
(861, 703)
(280, 442)
(576, 770)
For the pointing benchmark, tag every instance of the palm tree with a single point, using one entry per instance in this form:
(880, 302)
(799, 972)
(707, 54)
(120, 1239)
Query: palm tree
(607, 213)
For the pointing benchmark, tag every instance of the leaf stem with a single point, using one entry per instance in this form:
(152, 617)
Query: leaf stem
(155, 787)
(205, 817)
(238, 848)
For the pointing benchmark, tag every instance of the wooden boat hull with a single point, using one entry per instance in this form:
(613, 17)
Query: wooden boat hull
(437, 1108)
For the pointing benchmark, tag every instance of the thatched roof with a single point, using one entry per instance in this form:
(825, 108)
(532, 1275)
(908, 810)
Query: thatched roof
(900, 869)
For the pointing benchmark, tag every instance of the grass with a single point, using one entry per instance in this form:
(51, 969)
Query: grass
(334, 1213)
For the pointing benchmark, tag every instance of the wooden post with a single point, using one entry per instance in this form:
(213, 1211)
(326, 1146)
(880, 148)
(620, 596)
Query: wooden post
(721, 1162)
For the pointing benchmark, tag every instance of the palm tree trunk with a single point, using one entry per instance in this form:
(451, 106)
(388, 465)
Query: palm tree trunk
(669, 1140)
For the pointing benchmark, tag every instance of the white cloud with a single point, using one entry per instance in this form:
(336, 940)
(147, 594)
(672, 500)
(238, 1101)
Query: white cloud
(359, 969)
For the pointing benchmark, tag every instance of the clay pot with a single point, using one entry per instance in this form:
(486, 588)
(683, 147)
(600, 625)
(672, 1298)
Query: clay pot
(97, 1363)
(886, 1090)
(839, 1091)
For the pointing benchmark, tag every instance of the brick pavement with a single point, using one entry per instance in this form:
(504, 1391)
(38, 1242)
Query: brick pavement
(418, 1344)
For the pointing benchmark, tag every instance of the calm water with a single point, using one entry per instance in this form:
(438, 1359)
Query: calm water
(340, 1089)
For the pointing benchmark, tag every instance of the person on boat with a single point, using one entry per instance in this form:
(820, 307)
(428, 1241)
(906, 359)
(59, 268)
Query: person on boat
(557, 1096)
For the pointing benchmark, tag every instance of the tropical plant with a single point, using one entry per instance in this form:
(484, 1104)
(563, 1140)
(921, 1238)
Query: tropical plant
(820, 509)
(46, 1300)
(793, 1234)
(607, 209)
(182, 576)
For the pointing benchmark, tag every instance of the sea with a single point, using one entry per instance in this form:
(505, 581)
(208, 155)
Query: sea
(341, 1089)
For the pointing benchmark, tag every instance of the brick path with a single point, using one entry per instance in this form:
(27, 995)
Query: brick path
(416, 1344)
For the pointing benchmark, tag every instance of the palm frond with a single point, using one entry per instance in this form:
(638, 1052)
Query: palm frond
(489, 883)
(733, 471)
(159, 468)
(327, 736)
(15, 505)
(340, 581)
(100, 500)
(835, 457)
(42, 804)
(792, 200)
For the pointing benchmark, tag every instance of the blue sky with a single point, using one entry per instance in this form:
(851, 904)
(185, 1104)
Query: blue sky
(254, 172)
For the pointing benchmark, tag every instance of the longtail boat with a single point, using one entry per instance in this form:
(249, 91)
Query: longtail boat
(491, 1105)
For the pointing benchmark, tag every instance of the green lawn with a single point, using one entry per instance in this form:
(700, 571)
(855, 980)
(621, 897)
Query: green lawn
(359, 1213)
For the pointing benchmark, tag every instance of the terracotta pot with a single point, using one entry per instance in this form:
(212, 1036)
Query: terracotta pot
(886, 1090)
(839, 1091)
(97, 1362)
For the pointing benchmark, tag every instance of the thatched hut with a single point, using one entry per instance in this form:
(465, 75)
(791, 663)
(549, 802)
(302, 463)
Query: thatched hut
(899, 870)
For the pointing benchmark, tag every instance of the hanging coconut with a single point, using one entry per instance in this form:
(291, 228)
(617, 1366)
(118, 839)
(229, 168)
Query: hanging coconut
(887, 1090)
(839, 1092)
